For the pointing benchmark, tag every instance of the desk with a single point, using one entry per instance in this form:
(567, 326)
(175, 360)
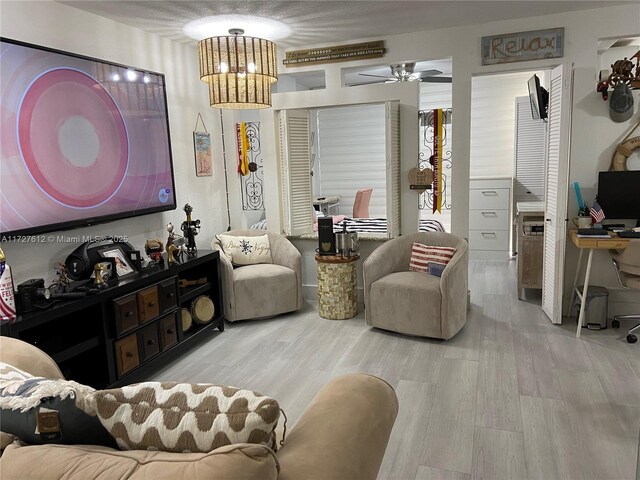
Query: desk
(613, 242)
(327, 205)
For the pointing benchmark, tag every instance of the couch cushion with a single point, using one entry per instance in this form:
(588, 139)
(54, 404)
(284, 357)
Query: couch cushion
(409, 302)
(424, 255)
(57, 462)
(263, 290)
(182, 417)
(42, 410)
(246, 250)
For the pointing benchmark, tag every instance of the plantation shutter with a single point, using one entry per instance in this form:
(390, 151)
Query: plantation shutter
(556, 189)
(295, 172)
(529, 154)
(392, 140)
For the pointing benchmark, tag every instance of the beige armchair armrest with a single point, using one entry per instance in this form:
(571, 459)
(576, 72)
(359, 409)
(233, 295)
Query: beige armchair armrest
(28, 358)
(385, 259)
(284, 253)
(343, 433)
(226, 274)
(454, 285)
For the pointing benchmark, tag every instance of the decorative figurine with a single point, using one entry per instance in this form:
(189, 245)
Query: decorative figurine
(99, 271)
(176, 240)
(171, 237)
(190, 228)
(171, 252)
(62, 283)
(154, 248)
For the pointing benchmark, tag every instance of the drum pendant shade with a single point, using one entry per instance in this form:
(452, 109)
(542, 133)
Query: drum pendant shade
(239, 70)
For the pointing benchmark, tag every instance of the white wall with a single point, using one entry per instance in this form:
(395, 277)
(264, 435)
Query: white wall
(62, 27)
(493, 121)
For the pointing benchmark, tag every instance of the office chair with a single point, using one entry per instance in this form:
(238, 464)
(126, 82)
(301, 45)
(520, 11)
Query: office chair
(627, 266)
(361, 203)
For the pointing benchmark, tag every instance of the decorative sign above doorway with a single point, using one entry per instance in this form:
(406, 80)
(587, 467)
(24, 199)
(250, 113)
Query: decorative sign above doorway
(340, 53)
(523, 46)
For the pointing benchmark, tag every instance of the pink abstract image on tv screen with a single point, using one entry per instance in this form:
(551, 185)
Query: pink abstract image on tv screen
(82, 141)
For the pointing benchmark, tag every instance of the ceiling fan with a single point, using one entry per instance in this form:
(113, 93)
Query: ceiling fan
(404, 72)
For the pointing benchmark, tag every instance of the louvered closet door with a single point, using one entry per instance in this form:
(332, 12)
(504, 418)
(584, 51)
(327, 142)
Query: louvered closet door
(529, 154)
(557, 186)
(392, 142)
(295, 171)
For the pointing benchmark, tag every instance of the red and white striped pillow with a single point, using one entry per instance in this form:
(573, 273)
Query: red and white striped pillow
(423, 255)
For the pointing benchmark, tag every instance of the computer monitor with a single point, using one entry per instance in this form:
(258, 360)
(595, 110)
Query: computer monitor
(618, 194)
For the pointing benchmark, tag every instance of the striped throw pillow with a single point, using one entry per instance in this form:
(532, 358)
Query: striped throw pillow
(423, 255)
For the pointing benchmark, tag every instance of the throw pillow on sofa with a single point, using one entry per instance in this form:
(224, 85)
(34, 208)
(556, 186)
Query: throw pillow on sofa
(246, 250)
(42, 410)
(181, 417)
(424, 255)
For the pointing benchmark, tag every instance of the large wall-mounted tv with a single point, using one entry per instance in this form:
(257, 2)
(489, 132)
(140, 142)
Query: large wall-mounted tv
(83, 141)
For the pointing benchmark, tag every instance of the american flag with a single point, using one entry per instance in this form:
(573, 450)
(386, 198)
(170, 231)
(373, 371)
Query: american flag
(597, 215)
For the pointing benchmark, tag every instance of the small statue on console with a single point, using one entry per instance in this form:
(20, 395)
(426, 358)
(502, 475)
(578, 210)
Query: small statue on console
(190, 228)
(62, 283)
(177, 241)
(154, 248)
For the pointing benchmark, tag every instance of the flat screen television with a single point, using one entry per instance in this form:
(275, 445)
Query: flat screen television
(618, 194)
(538, 97)
(84, 141)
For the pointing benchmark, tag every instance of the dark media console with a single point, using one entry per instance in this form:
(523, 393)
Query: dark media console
(119, 335)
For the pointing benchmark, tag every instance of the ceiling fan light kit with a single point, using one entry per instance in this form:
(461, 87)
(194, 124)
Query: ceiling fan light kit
(405, 72)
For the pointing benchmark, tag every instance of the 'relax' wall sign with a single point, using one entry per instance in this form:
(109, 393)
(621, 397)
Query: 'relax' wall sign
(523, 46)
(340, 53)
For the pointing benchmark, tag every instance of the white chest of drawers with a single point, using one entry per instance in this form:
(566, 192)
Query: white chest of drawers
(490, 217)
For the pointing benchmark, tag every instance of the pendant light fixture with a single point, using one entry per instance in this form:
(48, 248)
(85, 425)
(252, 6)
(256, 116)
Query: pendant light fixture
(239, 70)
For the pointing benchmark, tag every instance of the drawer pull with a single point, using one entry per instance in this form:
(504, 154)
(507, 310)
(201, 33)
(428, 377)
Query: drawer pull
(169, 295)
(151, 304)
(128, 355)
(128, 314)
(170, 331)
(150, 342)
(489, 214)
(489, 235)
(490, 193)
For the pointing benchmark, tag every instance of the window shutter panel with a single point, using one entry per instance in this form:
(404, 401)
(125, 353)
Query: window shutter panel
(529, 153)
(557, 186)
(392, 139)
(295, 172)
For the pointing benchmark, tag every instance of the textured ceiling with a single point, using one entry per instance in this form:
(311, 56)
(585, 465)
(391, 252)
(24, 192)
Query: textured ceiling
(326, 22)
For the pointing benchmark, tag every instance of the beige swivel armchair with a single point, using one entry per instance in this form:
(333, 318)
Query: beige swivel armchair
(263, 290)
(415, 303)
(627, 264)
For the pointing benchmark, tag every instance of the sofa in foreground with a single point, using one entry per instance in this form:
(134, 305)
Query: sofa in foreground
(342, 434)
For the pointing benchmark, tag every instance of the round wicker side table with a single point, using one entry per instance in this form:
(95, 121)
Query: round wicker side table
(337, 294)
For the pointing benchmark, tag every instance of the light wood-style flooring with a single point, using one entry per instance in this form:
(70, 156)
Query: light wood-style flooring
(511, 396)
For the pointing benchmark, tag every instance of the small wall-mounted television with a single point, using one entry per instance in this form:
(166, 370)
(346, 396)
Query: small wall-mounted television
(84, 141)
(538, 97)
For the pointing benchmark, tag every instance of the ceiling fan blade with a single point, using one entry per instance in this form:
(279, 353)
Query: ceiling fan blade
(428, 73)
(377, 76)
(437, 80)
